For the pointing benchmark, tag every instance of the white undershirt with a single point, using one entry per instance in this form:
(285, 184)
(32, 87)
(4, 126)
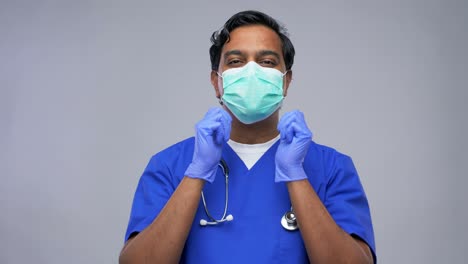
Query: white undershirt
(251, 153)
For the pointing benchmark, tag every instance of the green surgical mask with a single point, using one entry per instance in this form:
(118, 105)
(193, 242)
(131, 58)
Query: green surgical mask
(252, 92)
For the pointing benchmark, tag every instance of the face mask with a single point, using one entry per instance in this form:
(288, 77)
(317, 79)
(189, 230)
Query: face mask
(252, 93)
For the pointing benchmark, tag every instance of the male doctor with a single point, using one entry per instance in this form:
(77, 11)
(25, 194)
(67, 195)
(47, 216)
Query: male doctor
(273, 167)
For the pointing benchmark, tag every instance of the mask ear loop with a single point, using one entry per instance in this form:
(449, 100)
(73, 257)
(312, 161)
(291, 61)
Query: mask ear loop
(220, 101)
(283, 92)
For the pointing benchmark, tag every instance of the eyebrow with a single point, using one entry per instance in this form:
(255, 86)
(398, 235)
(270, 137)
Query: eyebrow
(231, 52)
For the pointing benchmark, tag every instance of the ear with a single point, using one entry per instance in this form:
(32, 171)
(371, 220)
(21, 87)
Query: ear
(215, 82)
(287, 81)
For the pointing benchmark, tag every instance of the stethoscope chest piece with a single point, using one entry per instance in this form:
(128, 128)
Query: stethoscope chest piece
(288, 221)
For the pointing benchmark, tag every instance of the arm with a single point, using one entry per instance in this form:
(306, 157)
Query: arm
(324, 240)
(173, 224)
(163, 240)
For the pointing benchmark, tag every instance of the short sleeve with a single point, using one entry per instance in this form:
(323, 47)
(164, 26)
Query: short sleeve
(347, 203)
(153, 191)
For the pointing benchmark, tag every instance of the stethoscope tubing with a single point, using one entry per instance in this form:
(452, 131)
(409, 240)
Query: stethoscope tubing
(288, 220)
(222, 164)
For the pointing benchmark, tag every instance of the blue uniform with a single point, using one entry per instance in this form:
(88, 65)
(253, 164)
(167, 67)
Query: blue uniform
(256, 202)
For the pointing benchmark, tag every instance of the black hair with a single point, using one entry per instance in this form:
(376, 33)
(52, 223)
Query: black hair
(244, 18)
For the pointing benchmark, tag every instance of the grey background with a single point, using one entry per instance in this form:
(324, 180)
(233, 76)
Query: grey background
(91, 89)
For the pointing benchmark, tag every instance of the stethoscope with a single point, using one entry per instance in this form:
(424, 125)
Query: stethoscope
(288, 221)
(222, 164)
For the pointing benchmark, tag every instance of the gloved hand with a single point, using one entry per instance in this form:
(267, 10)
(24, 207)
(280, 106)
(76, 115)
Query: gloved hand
(210, 134)
(294, 144)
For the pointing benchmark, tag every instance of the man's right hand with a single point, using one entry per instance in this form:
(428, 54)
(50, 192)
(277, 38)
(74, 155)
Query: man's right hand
(210, 135)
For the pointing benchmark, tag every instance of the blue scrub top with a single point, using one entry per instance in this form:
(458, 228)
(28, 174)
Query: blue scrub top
(256, 202)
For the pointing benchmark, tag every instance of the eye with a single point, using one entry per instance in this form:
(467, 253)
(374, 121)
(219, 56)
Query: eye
(268, 63)
(234, 62)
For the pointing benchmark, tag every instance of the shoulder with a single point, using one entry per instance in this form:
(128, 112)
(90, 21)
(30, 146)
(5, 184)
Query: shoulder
(180, 150)
(177, 148)
(170, 163)
(328, 154)
(328, 158)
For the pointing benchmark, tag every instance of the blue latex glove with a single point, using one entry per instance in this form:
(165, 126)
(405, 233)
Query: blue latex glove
(210, 134)
(294, 144)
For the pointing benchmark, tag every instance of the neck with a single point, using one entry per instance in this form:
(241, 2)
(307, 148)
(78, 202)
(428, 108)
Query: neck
(256, 133)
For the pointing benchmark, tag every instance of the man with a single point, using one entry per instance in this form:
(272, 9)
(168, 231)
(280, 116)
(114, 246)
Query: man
(257, 168)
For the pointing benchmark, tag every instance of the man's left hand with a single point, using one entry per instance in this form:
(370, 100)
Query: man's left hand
(294, 144)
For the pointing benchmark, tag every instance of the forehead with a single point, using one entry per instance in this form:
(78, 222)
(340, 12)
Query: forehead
(252, 38)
